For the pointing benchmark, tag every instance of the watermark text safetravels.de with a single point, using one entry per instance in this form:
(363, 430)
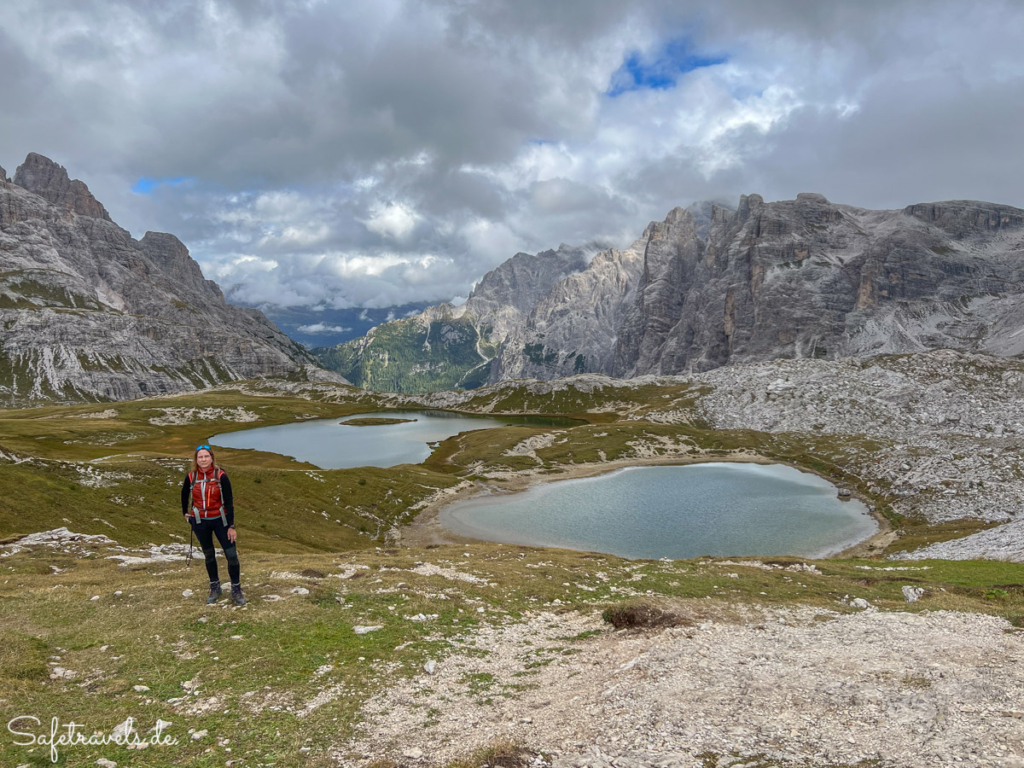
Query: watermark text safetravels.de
(27, 732)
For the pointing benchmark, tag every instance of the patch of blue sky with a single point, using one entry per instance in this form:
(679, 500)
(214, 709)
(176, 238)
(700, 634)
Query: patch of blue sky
(661, 70)
(145, 186)
(744, 92)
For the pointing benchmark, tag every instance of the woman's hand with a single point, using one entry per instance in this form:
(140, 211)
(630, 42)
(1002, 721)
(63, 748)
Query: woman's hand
(231, 534)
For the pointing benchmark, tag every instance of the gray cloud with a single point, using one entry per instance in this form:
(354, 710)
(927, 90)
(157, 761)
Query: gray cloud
(370, 154)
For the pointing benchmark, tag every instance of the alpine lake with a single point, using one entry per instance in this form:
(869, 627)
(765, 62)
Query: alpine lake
(666, 511)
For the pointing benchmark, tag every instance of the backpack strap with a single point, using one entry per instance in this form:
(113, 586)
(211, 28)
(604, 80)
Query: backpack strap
(216, 479)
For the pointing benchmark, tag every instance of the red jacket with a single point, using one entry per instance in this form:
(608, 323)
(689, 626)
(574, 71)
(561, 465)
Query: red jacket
(207, 494)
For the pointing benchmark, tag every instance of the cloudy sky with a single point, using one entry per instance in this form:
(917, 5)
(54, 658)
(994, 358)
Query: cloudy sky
(369, 154)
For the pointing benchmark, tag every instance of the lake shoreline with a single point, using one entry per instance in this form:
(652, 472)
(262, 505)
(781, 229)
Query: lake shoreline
(384, 440)
(426, 528)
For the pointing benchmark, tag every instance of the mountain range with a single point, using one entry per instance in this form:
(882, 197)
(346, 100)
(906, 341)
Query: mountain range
(90, 313)
(712, 286)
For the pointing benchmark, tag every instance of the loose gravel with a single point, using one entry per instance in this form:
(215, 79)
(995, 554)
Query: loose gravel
(802, 687)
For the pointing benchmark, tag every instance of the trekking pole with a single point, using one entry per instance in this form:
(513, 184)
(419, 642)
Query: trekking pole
(191, 536)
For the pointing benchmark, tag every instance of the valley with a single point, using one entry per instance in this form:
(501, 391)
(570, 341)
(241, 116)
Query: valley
(376, 637)
(370, 641)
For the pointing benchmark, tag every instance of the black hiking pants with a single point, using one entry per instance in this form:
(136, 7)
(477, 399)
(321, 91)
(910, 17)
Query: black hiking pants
(205, 531)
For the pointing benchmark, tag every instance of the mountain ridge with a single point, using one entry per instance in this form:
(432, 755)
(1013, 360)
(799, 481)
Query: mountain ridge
(447, 346)
(90, 313)
(710, 286)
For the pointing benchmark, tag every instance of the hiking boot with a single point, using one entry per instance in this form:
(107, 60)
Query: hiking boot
(215, 593)
(237, 596)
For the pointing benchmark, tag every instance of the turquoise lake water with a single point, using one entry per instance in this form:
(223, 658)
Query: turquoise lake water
(720, 509)
(330, 444)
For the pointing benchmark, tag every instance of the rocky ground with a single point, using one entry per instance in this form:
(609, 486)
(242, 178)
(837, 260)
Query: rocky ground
(81, 545)
(193, 415)
(1003, 543)
(703, 682)
(734, 684)
(952, 425)
(737, 687)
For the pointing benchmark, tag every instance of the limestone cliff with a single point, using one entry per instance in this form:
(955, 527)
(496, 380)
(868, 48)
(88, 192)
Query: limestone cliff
(807, 278)
(573, 328)
(710, 286)
(446, 346)
(90, 313)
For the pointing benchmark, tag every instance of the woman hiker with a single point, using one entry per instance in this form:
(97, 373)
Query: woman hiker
(207, 502)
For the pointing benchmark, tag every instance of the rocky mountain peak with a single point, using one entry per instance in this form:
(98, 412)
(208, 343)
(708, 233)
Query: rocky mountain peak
(704, 214)
(679, 222)
(43, 177)
(798, 278)
(171, 255)
(720, 213)
(3, 174)
(814, 209)
(678, 216)
(812, 197)
(748, 204)
(521, 281)
(965, 217)
(97, 314)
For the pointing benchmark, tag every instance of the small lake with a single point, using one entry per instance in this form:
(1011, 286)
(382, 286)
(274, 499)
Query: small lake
(720, 509)
(330, 444)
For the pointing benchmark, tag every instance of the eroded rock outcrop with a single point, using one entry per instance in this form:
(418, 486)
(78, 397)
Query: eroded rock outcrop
(447, 346)
(579, 316)
(50, 181)
(709, 286)
(91, 313)
(507, 294)
(809, 278)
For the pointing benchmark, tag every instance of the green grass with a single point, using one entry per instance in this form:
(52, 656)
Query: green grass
(298, 519)
(157, 638)
(916, 533)
(284, 505)
(374, 422)
(32, 289)
(344, 509)
(601, 406)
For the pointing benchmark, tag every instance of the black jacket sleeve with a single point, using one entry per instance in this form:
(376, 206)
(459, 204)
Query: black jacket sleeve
(186, 495)
(227, 499)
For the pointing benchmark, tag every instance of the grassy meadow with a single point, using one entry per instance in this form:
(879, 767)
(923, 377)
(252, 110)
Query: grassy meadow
(282, 681)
